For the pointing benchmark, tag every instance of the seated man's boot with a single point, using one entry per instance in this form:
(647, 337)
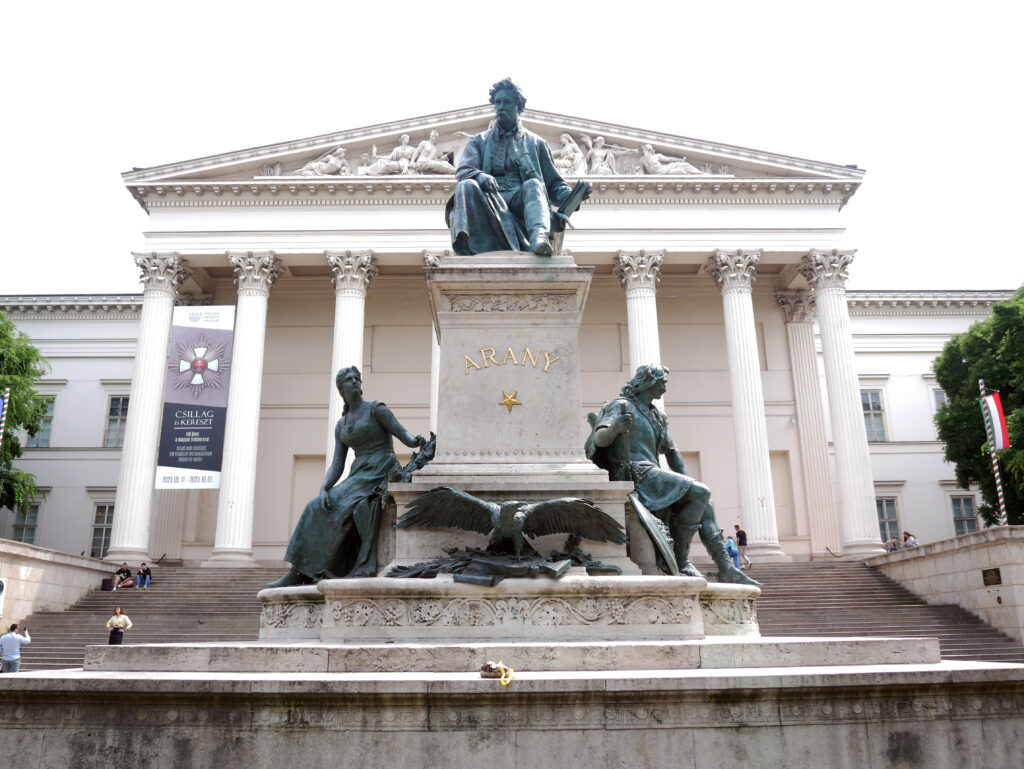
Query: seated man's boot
(711, 536)
(540, 244)
(682, 551)
(292, 578)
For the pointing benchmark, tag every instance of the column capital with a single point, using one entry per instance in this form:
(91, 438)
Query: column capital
(352, 270)
(432, 256)
(255, 271)
(824, 268)
(798, 306)
(734, 269)
(161, 271)
(639, 269)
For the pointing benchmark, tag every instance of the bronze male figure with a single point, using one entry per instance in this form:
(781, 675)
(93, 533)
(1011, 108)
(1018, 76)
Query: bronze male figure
(507, 183)
(627, 438)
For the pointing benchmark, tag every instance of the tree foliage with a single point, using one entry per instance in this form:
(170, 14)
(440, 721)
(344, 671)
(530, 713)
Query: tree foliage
(992, 350)
(21, 366)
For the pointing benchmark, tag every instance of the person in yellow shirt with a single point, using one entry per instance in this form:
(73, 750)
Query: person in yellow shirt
(117, 625)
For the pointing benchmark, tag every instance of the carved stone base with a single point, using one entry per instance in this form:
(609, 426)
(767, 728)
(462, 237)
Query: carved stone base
(320, 657)
(574, 608)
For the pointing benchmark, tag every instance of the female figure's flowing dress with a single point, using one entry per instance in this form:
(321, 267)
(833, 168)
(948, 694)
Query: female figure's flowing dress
(341, 540)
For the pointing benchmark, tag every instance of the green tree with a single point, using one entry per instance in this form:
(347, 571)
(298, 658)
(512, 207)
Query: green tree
(21, 366)
(992, 350)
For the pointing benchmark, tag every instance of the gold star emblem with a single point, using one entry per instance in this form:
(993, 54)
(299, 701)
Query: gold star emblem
(510, 400)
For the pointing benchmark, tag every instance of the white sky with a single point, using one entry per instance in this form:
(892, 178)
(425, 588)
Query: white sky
(926, 100)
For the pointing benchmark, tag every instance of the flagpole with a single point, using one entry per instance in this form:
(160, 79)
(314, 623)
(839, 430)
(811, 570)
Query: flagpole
(3, 415)
(990, 432)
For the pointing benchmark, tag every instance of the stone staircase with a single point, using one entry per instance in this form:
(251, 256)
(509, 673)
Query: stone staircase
(800, 599)
(181, 605)
(837, 598)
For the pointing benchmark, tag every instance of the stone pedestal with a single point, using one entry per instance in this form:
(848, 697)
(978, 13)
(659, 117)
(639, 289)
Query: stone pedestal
(508, 399)
(574, 609)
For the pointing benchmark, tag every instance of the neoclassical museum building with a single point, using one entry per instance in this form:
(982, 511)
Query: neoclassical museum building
(806, 408)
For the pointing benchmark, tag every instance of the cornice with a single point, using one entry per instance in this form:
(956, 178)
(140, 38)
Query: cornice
(389, 191)
(889, 303)
(68, 307)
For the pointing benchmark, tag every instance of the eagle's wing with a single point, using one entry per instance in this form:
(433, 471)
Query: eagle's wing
(572, 515)
(444, 508)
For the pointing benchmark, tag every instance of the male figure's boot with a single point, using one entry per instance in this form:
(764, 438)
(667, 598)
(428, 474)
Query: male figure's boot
(712, 538)
(681, 545)
(540, 244)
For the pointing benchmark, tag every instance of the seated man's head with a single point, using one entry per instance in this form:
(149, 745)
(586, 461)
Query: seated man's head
(508, 102)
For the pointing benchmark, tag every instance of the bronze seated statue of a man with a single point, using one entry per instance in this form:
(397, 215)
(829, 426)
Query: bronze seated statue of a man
(507, 183)
(627, 438)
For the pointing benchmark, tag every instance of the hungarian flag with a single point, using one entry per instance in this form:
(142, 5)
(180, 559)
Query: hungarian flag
(992, 408)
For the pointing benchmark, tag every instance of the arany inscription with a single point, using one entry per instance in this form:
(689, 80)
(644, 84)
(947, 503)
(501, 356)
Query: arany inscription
(489, 356)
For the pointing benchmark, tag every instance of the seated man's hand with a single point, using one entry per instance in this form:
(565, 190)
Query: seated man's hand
(487, 182)
(624, 423)
(563, 220)
(590, 189)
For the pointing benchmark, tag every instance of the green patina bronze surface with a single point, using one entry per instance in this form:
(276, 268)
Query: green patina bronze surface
(336, 534)
(627, 439)
(507, 185)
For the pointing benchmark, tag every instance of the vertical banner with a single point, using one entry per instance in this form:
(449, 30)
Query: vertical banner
(196, 398)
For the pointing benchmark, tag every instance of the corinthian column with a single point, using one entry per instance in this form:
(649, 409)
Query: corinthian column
(162, 275)
(255, 273)
(798, 307)
(734, 272)
(639, 272)
(826, 272)
(351, 273)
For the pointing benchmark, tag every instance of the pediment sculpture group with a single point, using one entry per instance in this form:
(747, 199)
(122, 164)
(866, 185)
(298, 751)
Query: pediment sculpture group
(586, 157)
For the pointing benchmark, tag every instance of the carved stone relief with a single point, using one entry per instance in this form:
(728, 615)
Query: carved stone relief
(510, 302)
(331, 163)
(292, 615)
(479, 612)
(573, 157)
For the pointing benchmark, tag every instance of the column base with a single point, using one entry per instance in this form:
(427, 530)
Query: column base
(862, 549)
(130, 555)
(230, 559)
(768, 553)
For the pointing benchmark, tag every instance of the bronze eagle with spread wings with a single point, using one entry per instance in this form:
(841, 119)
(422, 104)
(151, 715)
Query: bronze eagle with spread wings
(511, 521)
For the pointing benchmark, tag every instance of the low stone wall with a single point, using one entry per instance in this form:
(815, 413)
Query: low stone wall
(937, 716)
(983, 572)
(39, 579)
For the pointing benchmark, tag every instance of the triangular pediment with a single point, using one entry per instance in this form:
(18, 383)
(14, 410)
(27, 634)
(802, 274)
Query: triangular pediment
(370, 152)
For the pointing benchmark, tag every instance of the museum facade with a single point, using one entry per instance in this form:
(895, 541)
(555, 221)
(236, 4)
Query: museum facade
(806, 408)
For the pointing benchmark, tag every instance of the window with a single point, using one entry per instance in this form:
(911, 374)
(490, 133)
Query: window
(117, 415)
(25, 525)
(965, 516)
(41, 439)
(871, 403)
(938, 398)
(101, 524)
(888, 522)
